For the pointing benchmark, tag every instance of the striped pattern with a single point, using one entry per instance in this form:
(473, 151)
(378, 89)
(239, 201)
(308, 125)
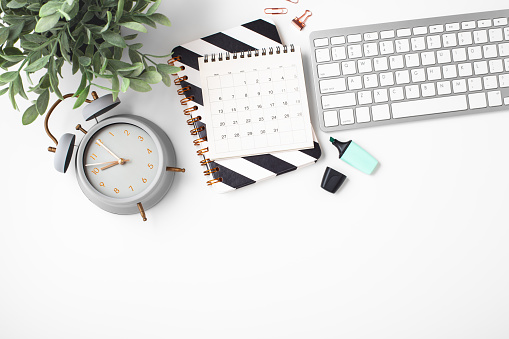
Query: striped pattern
(238, 172)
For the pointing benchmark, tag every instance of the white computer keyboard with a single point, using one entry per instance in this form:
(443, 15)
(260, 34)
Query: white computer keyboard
(410, 70)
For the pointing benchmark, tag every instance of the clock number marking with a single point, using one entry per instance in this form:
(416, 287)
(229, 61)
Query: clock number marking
(131, 187)
(116, 190)
(112, 134)
(93, 156)
(95, 171)
(99, 142)
(149, 151)
(141, 138)
(101, 184)
(127, 132)
(150, 166)
(144, 180)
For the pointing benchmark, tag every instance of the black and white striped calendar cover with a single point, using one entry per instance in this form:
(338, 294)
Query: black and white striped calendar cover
(231, 174)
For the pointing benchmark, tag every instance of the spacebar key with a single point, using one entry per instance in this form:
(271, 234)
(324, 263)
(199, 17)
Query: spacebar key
(429, 106)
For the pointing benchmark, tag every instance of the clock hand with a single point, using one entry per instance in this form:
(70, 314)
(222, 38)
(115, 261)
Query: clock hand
(102, 163)
(106, 148)
(120, 162)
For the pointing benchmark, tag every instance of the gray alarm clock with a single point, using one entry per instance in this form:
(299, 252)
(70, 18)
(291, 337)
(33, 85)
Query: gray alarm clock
(124, 164)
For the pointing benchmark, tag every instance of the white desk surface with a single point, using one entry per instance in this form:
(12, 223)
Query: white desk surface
(417, 250)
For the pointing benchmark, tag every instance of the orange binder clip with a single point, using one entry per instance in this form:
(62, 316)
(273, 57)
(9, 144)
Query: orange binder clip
(276, 11)
(300, 21)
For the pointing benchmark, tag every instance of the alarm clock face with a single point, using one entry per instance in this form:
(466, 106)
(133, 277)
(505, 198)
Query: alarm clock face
(120, 160)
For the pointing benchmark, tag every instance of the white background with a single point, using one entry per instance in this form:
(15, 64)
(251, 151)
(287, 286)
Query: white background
(416, 250)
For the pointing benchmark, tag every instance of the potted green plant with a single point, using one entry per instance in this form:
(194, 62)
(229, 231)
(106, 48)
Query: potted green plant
(39, 36)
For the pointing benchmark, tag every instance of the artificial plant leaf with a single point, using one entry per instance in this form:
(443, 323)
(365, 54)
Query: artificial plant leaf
(120, 10)
(30, 115)
(105, 28)
(168, 69)
(166, 79)
(145, 20)
(85, 61)
(136, 46)
(65, 15)
(152, 77)
(115, 86)
(82, 97)
(37, 64)
(130, 37)
(13, 90)
(13, 58)
(9, 76)
(49, 8)
(139, 85)
(47, 23)
(4, 34)
(3, 91)
(160, 19)
(137, 71)
(134, 56)
(134, 25)
(154, 7)
(114, 39)
(21, 90)
(75, 62)
(82, 85)
(16, 4)
(125, 84)
(42, 102)
(15, 31)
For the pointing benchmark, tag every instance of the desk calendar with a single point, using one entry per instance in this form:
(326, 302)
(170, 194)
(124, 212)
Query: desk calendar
(255, 102)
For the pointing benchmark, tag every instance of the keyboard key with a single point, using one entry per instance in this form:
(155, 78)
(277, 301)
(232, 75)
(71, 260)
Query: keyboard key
(490, 51)
(321, 42)
(338, 53)
(455, 26)
(480, 67)
(362, 114)
(449, 40)
(465, 69)
(459, 54)
(480, 37)
(386, 34)
(346, 116)
(433, 41)
(503, 49)
(420, 30)
(490, 82)
(494, 98)
(354, 51)
(380, 95)
(403, 32)
(354, 38)
(428, 90)
(402, 45)
(330, 118)
(506, 33)
(364, 66)
(338, 100)
(436, 29)
(418, 44)
(322, 55)
(468, 25)
(364, 97)
(380, 64)
(443, 56)
(337, 40)
(506, 63)
(496, 66)
(443, 87)
(332, 85)
(418, 75)
(403, 77)
(370, 49)
(370, 81)
(386, 79)
(459, 86)
(429, 106)
(412, 60)
(500, 22)
(474, 53)
(354, 83)
(474, 84)
(348, 67)
(386, 47)
(428, 58)
(371, 36)
(328, 70)
(477, 100)
(396, 61)
(503, 80)
(464, 38)
(449, 71)
(412, 91)
(396, 93)
(484, 23)
(496, 34)
(434, 73)
(380, 112)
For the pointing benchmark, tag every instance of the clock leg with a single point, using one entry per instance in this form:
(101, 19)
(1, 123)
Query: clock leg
(175, 169)
(142, 211)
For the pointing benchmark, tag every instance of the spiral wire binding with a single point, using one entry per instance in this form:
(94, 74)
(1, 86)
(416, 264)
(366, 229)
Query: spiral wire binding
(189, 110)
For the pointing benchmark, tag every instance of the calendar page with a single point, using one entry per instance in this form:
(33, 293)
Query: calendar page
(255, 105)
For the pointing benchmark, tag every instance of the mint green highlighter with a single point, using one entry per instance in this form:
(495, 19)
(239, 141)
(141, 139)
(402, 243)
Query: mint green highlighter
(355, 156)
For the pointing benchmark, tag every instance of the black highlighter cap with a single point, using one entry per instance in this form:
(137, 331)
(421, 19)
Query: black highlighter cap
(332, 180)
(340, 145)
